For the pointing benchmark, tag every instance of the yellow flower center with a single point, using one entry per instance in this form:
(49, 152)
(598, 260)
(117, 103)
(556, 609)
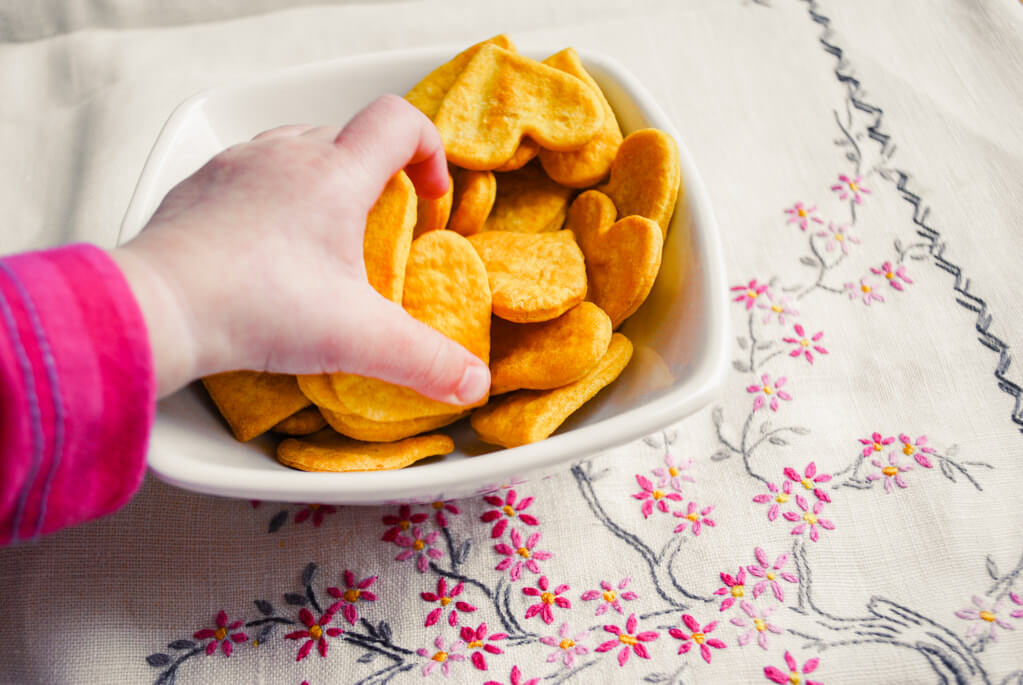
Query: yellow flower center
(771, 575)
(699, 638)
(839, 237)
(609, 595)
(768, 390)
(751, 293)
(802, 212)
(889, 275)
(444, 601)
(440, 657)
(475, 644)
(627, 639)
(804, 342)
(352, 595)
(220, 633)
(810, 518)
(547, 598)
(782, 498)
(738, 591)
(878, 447)
(404, 524)
(418, 545)
(522, 552)
(853, 187)
(566, 644)
(760, 624)
(777, 308)
(672, 471)
(694, 517)
(889, 471)
(908, 449)
(987, 616)
(316, 632)
(865, 288)
(807, 483)
(658, 494)
(508, 510)
(437, 505)
(794, 678)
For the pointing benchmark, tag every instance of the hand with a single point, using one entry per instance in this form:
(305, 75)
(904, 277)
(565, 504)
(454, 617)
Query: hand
(255, 261)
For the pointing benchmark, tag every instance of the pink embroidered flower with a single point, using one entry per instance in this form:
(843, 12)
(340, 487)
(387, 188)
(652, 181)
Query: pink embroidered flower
(353, 593)
(420, 547)
(864, 290)
(758, 624)
(749, 292)
(443, 598)
(442, 656)
(516, 679)
(401, 523)
(1016, 599)
(671, 474)
(652, 496)
(440, 508)
(609, 596)
(809, 479)
(890, 473)
(630, 639)
(875, 443)
(528, 556)
(696, 636)
(810, 518)
(548, 600)
(316, 511)
(734, 587)
(776, 675)
(850, 187)
(478, 642)
(987, 619)
(895, 277)
(315, 633)
(698, 518)
(508, 509)
(767, 389)
(777, 306)
(917, 449)
(221, 635)
(801, 214)
(803, 342)
(841, 236)
(568, 647)
(770, 574)
(776, 497)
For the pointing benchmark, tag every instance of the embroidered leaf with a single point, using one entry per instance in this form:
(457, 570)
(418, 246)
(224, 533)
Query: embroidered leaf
(279, 519)
(158, 659)
(800, 430)
(366, 658)
(595, 476)
(740, 366)
(809, 261)
(295, 599)
(657, 678)
(181, 644)
(918, 257)
(264, 607)
(992, 568)
(651, 441)
(946, 469)
(952, 451)
(717, 416)
(775, 440)
(765, 345)
(743, 342)
(265, 632)
(898, 245)
(851, 156)
(764, 427)
(384, 628)
(463, 552)
(720, 455)
(671, 436)
(308, 572)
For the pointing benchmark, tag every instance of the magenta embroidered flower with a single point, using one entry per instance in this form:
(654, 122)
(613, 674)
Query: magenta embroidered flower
(810, 519)
(749, 292)
(610, 597)
(568, 647)
(850, 187)
(767, 389)
(839, 236)
(779, 306)
(863, 290)
(221, 635)
(696, 517)
(444, 598)
(440, 508)
(316, 511)
(987, 619)
(442, 656)
(401, 523)
(696, 636)
(516, 679)
(478, 641)
(892, 472)
(508, 509)
(420, 547)
(671, 474)
(800, 214)
(777, 496)
(1016, 599)
(758, 624)
(770, 574)
(895, 277)
(791, 677)
(548, 600)
(631, 640)
(803, 342)
(917, 449)
(315, 633)
(528, 556)
(809, 479)
(652, 496)
(353, 593)
(734, 587)
(875, 443)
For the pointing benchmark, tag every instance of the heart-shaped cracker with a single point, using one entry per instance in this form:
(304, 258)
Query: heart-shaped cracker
(622, 258)
(446, 287)
(591, 163)
(500, 97)
(533, 276)
(328, 451)
(549, 354)
(474, 195)
(253, 402)
(303, 422)
(528, 201)
(428, 93)
(433, 215)
(524, 153)
(526, 416)
(389, 227)
(646, 176)
(361, 428)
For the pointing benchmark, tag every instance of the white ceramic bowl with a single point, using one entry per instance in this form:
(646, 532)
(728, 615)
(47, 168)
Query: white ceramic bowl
(680, 333)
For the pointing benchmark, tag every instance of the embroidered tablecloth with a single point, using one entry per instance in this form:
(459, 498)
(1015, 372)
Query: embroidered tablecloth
(848, 510)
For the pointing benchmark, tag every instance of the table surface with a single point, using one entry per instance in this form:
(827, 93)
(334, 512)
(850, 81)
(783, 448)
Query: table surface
(846, 511)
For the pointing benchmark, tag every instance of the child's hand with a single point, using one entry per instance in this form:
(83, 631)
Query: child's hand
(255, 261)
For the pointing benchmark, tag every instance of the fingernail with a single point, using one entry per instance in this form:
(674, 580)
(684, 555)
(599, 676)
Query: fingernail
(474, 384)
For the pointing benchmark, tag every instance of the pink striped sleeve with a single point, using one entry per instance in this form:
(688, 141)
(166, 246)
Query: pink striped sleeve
(77, 390)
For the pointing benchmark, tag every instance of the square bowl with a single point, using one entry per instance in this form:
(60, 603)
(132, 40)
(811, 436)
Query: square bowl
(680, 332)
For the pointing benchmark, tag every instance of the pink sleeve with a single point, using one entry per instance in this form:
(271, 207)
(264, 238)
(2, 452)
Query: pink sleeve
(77, 390)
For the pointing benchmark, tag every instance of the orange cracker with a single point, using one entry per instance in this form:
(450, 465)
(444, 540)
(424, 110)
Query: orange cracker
(361, 428)
(389, 227)
(528, 202)
(474, 195)
(533, 276)
(524, 153)
(432, 215)
(527, 416)
(500, 97)
(550, 354)
(646, 176)
(591, 163)
(253, 402)
(303, 422)
(428, 93)
(328, 451)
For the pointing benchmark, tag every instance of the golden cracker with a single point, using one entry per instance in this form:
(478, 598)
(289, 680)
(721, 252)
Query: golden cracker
(303, 422)
(389, 227)
(253, 402)
(428, 93)
(528, 201)
(328, 451)
(473, 199)
(646, 176)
